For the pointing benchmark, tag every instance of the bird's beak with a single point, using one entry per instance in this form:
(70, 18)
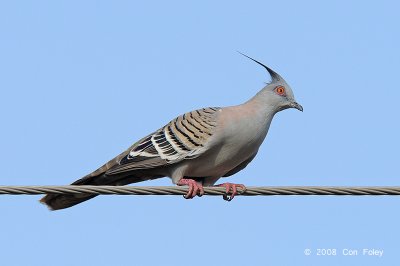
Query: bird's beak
(297, 106)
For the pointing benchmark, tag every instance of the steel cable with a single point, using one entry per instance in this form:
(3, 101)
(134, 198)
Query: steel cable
(211, 191)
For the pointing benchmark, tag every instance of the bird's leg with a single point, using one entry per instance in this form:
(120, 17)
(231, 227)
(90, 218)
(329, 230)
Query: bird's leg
(194, 188)
(229, 187)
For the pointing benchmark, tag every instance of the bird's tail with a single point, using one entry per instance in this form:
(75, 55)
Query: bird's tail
(62, 201)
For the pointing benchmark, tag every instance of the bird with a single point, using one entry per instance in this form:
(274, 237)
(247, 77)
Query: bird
(195, 149)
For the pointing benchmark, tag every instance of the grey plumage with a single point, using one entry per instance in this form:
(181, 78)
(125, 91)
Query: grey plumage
(203, 145)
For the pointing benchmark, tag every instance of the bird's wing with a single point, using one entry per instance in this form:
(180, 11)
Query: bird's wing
(185, 137)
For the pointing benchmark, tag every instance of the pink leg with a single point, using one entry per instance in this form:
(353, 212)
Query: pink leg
(233, 187)
(194, 188)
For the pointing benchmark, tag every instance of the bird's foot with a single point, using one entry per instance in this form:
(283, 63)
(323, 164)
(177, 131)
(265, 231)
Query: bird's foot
(194, 188)
(231, 187)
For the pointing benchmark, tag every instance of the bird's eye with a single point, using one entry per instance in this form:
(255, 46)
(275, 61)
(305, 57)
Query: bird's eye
(280, 90)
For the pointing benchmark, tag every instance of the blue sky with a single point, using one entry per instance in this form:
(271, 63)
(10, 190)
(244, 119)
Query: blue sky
(82, 80)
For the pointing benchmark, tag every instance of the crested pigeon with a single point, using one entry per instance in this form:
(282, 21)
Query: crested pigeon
(195, 149)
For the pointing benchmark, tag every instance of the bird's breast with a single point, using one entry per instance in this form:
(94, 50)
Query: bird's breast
(238, 137)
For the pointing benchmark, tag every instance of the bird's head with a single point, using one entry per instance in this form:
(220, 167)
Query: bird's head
(277, 93)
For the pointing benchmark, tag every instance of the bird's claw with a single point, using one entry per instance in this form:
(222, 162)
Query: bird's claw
(194, 188)
(231, 187)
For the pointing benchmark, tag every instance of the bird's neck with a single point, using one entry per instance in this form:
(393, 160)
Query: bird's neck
(257, 115)
(260, 106)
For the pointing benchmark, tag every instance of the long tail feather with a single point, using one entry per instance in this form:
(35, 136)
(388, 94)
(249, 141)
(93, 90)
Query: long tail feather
(62, 201)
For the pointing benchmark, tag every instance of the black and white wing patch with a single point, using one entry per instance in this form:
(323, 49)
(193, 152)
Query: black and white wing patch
(185, 137)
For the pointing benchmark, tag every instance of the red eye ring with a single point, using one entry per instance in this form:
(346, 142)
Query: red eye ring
(280, 90)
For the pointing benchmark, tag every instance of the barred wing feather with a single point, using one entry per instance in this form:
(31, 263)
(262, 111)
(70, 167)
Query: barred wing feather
(185, 137)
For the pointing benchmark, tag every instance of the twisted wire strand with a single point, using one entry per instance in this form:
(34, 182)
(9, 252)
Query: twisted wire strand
(211, 191)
